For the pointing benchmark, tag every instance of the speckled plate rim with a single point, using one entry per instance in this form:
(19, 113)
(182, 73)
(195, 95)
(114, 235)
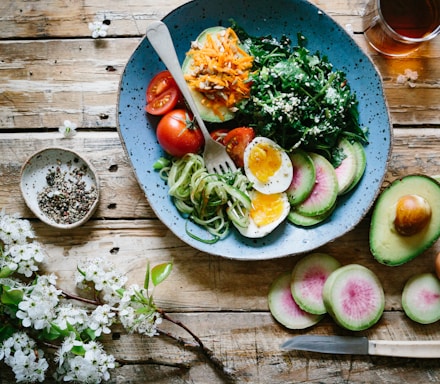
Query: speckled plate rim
(136, 135)
(37, 165)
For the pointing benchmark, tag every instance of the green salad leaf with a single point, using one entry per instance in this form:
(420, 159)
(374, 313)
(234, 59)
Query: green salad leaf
(297, 99)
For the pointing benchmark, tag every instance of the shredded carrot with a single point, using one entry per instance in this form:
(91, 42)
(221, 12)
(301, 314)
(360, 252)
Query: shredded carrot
(220, 71)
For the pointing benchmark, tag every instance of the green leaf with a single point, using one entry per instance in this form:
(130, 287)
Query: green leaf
(90, 333)
(6, 332)
(11, 296)
(160, 272)
(147, 276)
(6, 272)
(78, 350)
(80, 271)
(53, 333)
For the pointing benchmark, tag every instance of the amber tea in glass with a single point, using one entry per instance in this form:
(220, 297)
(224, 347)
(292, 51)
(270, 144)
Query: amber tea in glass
(398, 27)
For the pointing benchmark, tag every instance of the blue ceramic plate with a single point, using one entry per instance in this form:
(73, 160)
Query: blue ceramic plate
(257, 17)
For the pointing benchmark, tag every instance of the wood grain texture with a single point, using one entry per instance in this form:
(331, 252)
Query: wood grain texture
(47, 80)
(52, 70)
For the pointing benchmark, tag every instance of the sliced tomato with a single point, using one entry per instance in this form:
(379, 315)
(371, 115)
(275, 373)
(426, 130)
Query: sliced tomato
(162, 94)
(163, 103)
(236, 142)
(219, 135)
(178, 135)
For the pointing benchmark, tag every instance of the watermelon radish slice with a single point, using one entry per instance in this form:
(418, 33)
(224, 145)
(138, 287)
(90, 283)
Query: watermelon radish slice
(421, 298)
(308, 221)
(325, 189)
(361, 164)
(304, 176)
(354, 297)
(308, 278)
(346, 171)
(284, 308)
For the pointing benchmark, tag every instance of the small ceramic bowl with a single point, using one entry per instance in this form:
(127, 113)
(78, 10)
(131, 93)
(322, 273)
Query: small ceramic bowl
(60, 187)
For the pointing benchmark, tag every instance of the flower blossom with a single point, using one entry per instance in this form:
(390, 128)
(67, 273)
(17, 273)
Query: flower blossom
(136, 315)
(103, 277)
(20, 353)
(14, 230)
(37, 308)
(98, 29)
(68, 129)
(410, 77)
(91, 366)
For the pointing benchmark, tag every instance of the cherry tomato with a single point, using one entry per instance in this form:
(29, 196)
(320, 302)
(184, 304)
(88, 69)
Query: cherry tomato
(219, 135)
(236, 142)
(178, 135)
(162, 94)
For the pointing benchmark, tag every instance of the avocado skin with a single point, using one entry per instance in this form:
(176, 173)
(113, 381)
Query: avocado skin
(386, 244)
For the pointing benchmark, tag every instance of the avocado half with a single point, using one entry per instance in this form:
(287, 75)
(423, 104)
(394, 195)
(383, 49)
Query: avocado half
(206, 113)
(387, 245)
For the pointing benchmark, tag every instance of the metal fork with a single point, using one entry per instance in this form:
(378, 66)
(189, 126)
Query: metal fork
(216, 158)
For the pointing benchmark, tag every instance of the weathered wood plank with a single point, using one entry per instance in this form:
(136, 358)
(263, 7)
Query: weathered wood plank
(69, 18)
(205, 282)
(47, 81)
(146, 238)
(120, 193)
(248, 345)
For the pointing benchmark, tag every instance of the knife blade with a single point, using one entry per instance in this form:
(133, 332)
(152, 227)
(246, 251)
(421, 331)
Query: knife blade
(357, 345)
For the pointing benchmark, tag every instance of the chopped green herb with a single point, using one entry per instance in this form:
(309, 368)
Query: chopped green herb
(297, 99)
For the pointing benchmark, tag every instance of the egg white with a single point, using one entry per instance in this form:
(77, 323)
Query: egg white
(281, 178)
(255, 231)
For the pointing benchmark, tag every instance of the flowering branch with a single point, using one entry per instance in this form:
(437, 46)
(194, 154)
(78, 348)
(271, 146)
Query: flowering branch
(39, 308)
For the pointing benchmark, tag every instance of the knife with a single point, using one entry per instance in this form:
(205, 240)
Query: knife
(353, 345)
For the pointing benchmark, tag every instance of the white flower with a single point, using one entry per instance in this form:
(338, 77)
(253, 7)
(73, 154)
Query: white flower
(21, 354)
(37, 308)
(409, 77)
(104, 278)
(14, 230)
(136, 316)
(26, 257)
(68, 129)
(100, 319)
(66, 313)
(92, 367)
(98, 29)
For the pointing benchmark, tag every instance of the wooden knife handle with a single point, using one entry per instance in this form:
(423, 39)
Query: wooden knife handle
(414, 349)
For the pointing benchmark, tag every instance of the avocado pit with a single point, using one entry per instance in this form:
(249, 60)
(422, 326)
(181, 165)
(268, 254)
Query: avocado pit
(413, 213)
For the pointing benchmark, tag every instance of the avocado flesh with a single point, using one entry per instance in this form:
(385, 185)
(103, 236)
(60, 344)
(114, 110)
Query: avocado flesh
(386, 244)
(207, 114)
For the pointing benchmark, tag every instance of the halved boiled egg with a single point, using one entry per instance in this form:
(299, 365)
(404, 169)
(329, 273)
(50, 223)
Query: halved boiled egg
(266, 213)
(267, 166)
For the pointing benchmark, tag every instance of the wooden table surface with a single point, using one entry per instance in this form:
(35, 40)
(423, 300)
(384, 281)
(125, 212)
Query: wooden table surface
(52, 70)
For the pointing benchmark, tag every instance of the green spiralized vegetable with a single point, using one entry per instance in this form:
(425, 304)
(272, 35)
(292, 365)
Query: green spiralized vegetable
(211, 200)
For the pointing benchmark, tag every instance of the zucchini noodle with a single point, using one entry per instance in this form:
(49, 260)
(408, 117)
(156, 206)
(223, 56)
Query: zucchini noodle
(210, 200)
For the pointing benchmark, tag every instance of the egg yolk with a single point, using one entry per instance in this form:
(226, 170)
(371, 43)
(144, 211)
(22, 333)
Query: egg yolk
(266, 208)
(264, 161)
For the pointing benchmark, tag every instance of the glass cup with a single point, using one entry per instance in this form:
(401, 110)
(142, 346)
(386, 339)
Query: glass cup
(398, 27)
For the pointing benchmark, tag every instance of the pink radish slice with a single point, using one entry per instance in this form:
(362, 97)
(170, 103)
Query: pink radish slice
(284, 308)
(325, 190)
(354, 297)
(346, 171)
(304, 177)
(308, 278)
(421, 298)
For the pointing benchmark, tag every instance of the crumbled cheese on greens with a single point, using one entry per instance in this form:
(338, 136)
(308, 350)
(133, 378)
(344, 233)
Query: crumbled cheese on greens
(297, 98)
